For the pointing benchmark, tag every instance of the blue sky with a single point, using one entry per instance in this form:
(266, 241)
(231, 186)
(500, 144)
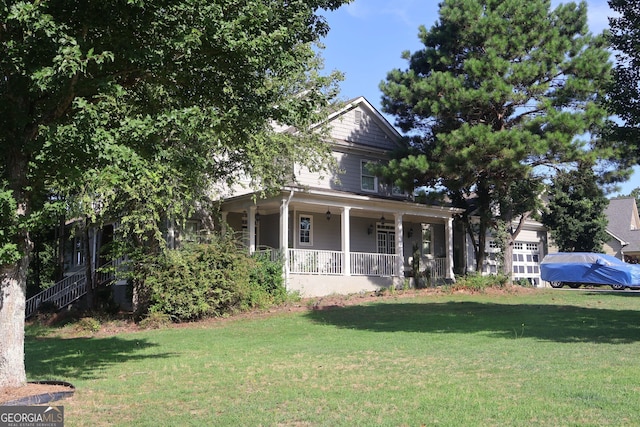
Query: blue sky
(367, 38)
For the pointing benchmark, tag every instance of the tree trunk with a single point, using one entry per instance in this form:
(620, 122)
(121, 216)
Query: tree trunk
(512, 235)
(13, 290)
(88, 264)
(507, 262)
(13, 283)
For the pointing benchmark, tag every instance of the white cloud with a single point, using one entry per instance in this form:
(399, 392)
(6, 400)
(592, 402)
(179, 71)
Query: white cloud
(357, 10)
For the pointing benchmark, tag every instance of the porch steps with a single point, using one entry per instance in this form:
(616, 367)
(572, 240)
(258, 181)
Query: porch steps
(68, 290)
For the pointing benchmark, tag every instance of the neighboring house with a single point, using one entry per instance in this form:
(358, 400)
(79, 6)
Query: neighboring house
(624, 230)
(350, 232)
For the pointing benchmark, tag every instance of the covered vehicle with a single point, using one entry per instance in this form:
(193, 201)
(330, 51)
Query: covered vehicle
(585, 268)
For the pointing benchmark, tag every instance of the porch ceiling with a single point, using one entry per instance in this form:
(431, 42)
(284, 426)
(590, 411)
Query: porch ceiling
(319, 201)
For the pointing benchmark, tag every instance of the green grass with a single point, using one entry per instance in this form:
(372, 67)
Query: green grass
(542, 358)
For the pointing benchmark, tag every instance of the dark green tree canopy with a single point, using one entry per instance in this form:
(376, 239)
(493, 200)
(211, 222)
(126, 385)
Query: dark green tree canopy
(575, 214)
(176, 95)
(138, 106)
(501, 90)
(625, 91)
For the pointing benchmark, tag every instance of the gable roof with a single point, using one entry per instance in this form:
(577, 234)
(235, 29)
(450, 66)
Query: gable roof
(381, 121)
(624, 223)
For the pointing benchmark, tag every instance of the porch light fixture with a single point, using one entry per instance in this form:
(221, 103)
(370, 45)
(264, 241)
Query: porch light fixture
(410, 233)
(370, 229)
(257, 216)
(328, 214)
(382, 219)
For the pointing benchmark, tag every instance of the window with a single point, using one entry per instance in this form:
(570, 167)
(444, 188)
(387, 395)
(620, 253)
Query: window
(190, 231)
(305, 231)
(357, 117)
(532, 247)
(426, 239)
(397, 191)
(369, 181)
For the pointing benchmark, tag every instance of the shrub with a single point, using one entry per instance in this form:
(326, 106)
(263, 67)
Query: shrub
(155, 320)
(478, 282)
(203, 280)
(266, 282)
(88, 324)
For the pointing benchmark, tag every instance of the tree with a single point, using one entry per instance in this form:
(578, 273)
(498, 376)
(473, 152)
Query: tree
(138, 106)
(501, 90)
(575, 214)
(625, 90)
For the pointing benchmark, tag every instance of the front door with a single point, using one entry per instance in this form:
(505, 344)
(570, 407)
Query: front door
(386, 240)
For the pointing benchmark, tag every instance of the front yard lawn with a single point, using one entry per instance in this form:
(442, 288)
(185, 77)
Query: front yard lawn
(540, 357)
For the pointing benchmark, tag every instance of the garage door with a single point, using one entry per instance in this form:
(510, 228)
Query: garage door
(526, 262)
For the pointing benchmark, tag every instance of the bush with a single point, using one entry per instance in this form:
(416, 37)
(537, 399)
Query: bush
(155, 320)
(204, 280)
(478, 282)
(88, 324)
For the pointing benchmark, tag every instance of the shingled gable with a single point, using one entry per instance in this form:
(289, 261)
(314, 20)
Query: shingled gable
(358, 123)
(624, 223)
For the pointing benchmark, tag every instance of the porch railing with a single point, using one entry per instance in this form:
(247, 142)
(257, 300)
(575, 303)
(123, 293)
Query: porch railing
(69, 289)
(61, 294)
(370, 264)
(306, 261)
(309, 261)
(438, 268)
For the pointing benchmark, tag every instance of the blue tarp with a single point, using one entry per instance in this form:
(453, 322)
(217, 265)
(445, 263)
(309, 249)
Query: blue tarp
(587, 267)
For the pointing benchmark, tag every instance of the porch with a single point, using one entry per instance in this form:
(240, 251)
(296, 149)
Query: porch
(332, 242)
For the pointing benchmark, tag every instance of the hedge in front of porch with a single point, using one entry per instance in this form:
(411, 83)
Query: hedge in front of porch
(207, 280)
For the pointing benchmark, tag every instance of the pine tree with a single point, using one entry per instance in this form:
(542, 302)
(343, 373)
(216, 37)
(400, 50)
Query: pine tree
(501, 90)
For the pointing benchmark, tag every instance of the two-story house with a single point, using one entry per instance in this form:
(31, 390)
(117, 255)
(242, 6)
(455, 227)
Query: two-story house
(351, 232)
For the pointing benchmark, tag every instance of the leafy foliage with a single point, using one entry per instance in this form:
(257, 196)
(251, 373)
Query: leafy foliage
(8, 247)
(479, 283)
(212, 280)
(500, 91)
(133, 109)
(625, 91)
(575, 214)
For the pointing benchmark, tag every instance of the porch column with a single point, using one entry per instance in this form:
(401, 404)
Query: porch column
(399, 246)
(171, 234)
(448, 231)
(284, 235)
(346, 241)
(223, 222)
(251, 223)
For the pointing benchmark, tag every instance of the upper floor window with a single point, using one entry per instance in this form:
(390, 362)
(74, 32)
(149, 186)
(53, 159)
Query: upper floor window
(305, 230)
(369, 182)
(398, 191)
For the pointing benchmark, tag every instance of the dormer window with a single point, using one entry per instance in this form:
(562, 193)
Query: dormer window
(369, 182)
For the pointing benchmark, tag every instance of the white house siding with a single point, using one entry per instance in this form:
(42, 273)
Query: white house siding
(361, 240)
(316, 180)
(367, 132)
